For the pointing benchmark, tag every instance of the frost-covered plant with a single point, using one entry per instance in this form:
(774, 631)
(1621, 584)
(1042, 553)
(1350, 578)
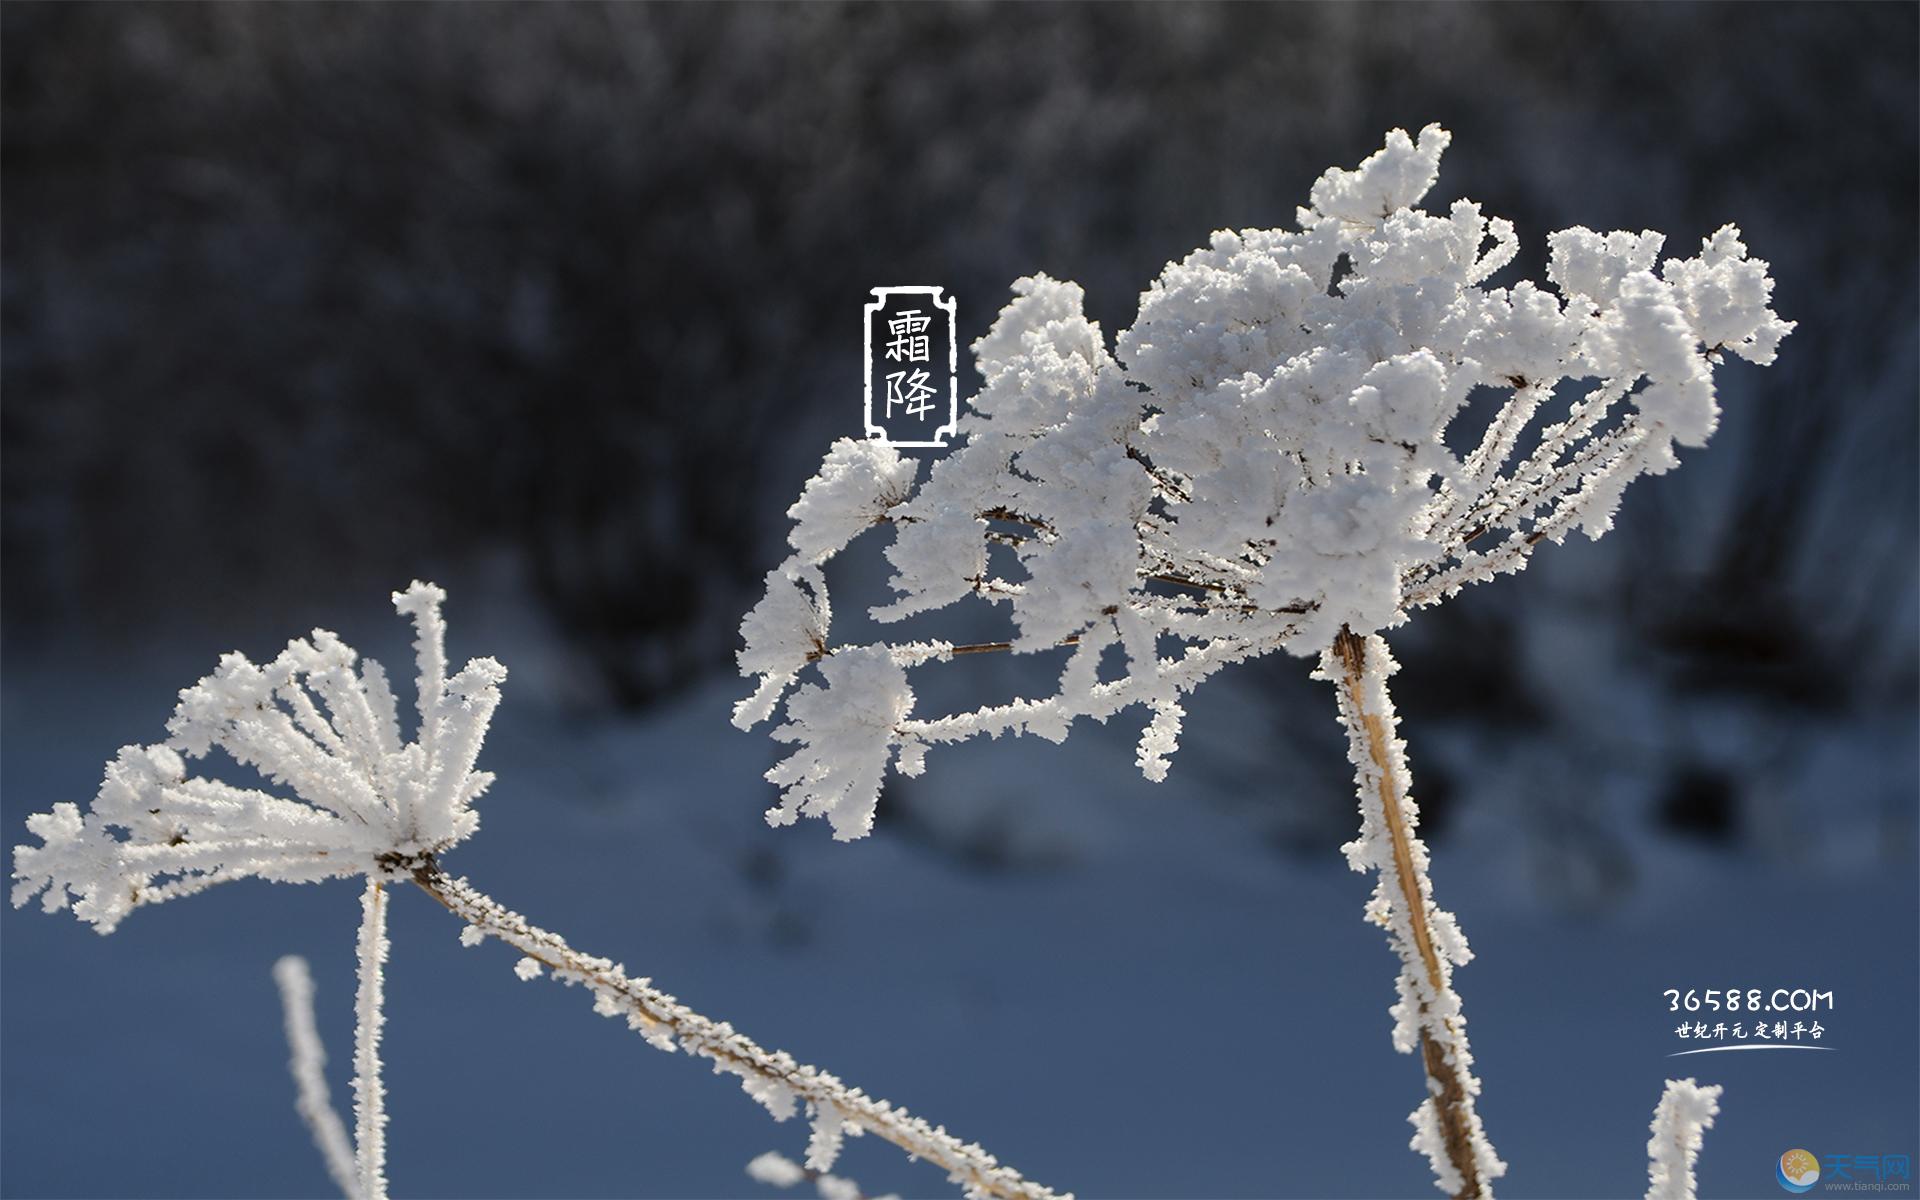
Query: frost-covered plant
(307, 1061)
(1262, 462)
(359, 794)
(364, 802)
(1685, 1110)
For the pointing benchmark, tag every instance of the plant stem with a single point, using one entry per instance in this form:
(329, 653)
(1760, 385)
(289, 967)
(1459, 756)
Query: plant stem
(666, 1023)
(1426, 938)
(370, 1093)
(1686, 1109)
(307, 1061)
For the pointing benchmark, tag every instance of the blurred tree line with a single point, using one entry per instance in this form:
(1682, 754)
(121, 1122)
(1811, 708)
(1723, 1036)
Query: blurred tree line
(313, 297)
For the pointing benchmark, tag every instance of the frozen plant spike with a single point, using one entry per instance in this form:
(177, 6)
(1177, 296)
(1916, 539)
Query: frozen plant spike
(347, 790)
(1262, 462)
(1685, 1110)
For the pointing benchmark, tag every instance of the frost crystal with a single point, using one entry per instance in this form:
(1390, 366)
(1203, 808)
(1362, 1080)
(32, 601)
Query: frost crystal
(1260, 461)
(312, 724)
(847, 732)
(1685, 1110)
(829, 1133)
(776, 1170)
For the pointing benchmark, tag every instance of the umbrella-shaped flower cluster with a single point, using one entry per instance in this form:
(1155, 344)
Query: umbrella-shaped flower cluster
(350, 796)
(1304, 436)
(1302, 432)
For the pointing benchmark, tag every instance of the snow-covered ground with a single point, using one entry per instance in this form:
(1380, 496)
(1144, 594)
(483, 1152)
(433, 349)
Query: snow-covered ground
(1144, 1000)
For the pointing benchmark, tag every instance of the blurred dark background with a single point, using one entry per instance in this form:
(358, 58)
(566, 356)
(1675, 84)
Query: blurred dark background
(303, 300)
(558, 304)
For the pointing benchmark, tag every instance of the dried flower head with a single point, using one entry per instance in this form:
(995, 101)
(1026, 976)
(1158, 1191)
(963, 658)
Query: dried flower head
(1261, 460)
(307, 721)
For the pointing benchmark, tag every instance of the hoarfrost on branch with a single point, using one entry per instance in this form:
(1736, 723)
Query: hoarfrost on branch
(363, 802)
(1260, 461)
(1685, 1111)
(1263, 462)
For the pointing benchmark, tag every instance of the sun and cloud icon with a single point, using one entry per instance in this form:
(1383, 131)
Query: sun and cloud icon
(1799, 1170)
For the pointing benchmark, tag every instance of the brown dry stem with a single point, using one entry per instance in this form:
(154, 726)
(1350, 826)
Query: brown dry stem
(1451, 1099)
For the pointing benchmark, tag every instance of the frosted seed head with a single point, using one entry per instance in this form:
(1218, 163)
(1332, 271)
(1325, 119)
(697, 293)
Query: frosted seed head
(346, 795)
(1269, 455)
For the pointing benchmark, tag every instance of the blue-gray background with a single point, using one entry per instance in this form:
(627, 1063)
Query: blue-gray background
(558, 305)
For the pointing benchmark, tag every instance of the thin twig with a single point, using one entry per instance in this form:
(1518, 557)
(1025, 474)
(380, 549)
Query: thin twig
(1184, 581)
(666, 1022)
(370, 1092)
(1007, 514)
(307, 1062)
(1172, 490)
(989, 647)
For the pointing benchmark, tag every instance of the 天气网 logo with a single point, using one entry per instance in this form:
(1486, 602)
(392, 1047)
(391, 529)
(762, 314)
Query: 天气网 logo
(1798, 1171)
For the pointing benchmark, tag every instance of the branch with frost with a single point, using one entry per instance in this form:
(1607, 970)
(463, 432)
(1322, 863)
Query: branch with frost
(322, 725)
(308, 1064)
(1425, 937)
(1266, 459)
(369, 1004)
(774, 1078)
(1685, 1111)
(1261, 460)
